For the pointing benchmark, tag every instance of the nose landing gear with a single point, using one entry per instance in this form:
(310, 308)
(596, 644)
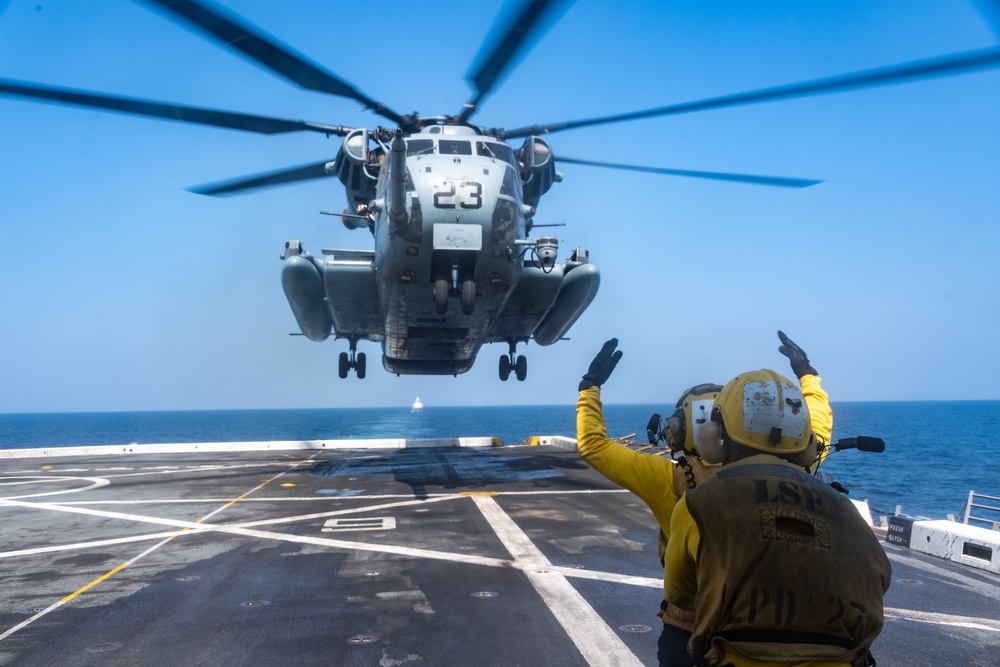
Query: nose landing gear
(509, 362)
(356, 361)
(444, 288)
(454, 276)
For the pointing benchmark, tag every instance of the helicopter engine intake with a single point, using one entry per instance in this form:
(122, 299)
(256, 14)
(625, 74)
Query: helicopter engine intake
(538, 169)
(352, 167)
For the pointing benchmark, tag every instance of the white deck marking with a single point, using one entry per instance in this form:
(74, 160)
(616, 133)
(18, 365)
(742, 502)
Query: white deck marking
(351, 510)
(933, 618)
(610, 577)
(410, 552)
(169, 531)
(239, 528)
(121, 567)
(589, 632)
(359, 523)
(87, 545)
(159, 521)
(71, 596)
(321, 498)
(593, 637)
(195, 527)
(245, 529)
(95, 482)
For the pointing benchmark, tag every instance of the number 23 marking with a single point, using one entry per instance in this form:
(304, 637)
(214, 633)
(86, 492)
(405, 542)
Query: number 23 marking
(469, 194)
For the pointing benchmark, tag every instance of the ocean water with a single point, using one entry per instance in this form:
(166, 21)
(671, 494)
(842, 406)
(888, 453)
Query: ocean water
(936, 452)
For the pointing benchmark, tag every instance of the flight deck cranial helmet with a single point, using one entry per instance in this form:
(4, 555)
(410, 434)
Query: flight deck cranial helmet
(762, 410)
(693, 409)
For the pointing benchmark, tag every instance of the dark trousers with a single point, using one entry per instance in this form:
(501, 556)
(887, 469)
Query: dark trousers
(671, 649)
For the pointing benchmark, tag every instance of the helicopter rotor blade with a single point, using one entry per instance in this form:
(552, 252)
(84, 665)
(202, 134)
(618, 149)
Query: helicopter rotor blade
(959, 63)
(990, 11)
(186, 114)
(512, 39)
(267, 51)
(776, 181)
(305, 172)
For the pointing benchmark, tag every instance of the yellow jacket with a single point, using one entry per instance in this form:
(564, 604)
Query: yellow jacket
(651, 477)
(820, 414)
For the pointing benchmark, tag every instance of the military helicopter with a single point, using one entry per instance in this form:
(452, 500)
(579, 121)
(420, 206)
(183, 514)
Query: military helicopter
(450, 205)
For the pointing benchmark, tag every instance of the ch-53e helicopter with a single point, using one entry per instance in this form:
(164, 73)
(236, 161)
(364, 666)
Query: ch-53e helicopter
(450, 204)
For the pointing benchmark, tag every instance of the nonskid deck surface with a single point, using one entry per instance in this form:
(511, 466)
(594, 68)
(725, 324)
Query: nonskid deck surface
(435, 556)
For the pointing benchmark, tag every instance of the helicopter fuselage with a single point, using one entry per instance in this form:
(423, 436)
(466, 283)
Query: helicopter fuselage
(463, 212)
(448, 271)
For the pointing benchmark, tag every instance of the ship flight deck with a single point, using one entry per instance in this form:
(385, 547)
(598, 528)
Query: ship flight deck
(388, 553)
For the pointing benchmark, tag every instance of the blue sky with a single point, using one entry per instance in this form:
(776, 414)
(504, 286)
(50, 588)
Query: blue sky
(120, 290)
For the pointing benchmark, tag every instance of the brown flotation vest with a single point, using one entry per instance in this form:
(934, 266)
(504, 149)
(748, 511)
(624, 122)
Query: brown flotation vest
(787, 568)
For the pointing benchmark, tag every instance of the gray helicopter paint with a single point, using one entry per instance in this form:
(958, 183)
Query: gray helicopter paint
(456, 213)
(458, 193)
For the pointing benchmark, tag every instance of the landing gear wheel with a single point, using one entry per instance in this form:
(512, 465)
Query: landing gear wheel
(345, 365)
(521, 368)
(441, 288)
(504, 368)
(468, 295)
(359, 365)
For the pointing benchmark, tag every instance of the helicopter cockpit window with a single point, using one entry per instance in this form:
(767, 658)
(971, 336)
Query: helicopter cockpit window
(509, 185)
(453, 147)
(419, 147)
(504, 223)
(497, 151)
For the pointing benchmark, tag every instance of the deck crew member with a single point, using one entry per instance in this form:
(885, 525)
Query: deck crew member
(778, 567)
(657, 480)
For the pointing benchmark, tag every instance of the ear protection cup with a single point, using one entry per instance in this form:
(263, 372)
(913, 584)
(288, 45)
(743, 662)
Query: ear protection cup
(807, 456)
(708, 439)
(674, 431)
(693, 409)
(653, 433)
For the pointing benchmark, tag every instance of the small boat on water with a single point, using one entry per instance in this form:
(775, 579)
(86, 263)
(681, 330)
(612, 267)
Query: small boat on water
(417, 406)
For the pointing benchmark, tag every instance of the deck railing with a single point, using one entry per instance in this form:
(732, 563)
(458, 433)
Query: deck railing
(986, 508)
